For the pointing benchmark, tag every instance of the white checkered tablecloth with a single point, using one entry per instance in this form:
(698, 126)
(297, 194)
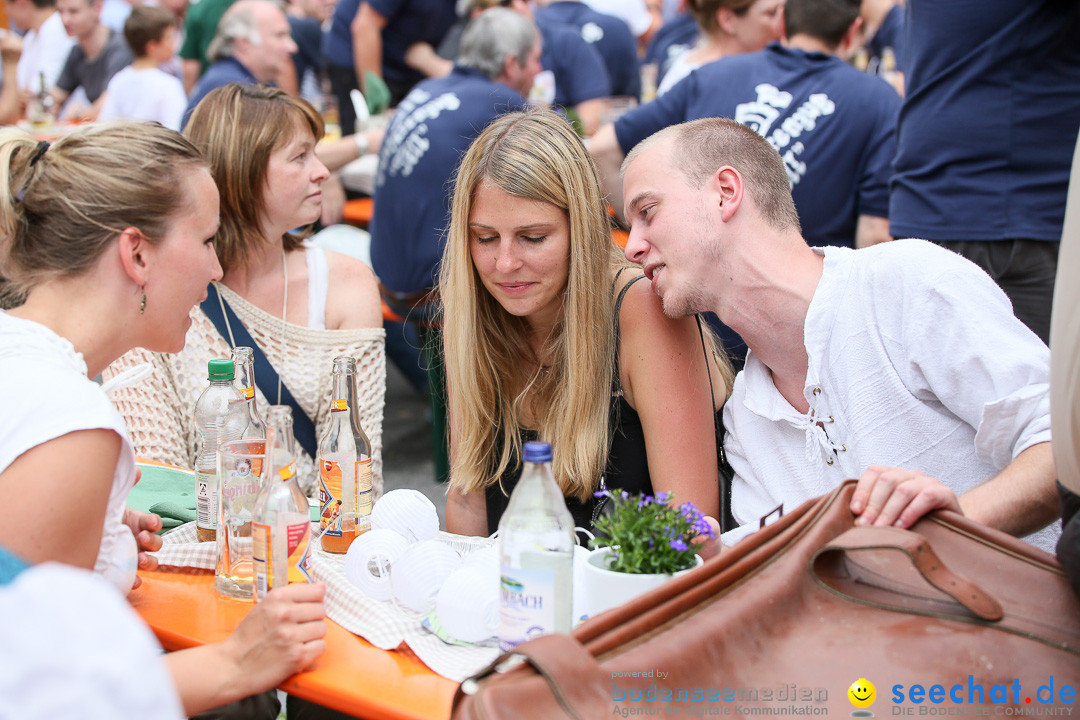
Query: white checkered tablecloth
(383, 624)
(181, 548)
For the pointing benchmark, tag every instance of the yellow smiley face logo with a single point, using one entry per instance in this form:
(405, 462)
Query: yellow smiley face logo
(862, 693)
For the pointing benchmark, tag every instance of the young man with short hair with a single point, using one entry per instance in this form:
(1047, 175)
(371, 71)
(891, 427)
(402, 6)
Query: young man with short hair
(899, 364)
(45, 45)
(99, 53)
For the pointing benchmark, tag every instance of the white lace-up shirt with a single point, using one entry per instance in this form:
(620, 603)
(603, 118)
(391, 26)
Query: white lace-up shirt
(915, 361)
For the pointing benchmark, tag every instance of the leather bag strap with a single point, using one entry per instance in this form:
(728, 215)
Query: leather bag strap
(922, 556)
(566, 666)
(266, 377)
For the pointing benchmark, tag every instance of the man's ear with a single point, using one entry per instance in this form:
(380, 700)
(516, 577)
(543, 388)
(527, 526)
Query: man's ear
(509, 66)
(853, 39)
(727, 187)
(134, 251)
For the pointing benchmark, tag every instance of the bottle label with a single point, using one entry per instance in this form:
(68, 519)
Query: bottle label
(248, 393)
(287, 471)
(342, 499)
(526, 604)
(332, 520)
(206, 500)
(363, 489)
(260, 558)
(339, 405)
(298, 536)
(268, 574)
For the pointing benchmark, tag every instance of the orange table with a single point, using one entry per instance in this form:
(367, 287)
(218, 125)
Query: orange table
(358, 212)
(353, 676)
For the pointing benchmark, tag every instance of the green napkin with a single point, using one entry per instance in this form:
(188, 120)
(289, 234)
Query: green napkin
(170, 493)
(376, 93)
(166, 492)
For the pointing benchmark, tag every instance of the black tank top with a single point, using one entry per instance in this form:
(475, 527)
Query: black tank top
(627, 463)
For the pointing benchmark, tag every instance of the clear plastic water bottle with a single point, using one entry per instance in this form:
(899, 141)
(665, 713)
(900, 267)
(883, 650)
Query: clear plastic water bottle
(281, 521)
(345, 492)
(536, 549)
(220, 416)
(243, 358)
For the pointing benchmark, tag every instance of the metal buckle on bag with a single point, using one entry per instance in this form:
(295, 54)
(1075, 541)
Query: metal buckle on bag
(471, 685)
(778, 511)
(510, 662)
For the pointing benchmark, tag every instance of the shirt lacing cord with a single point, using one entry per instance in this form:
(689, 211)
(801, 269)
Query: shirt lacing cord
(820, 449)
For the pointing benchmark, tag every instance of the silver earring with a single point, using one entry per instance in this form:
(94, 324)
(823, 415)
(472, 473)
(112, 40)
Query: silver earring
(142, 303)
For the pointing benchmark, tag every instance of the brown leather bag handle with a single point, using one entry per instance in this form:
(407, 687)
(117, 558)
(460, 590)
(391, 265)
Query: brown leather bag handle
(922, 556)
(563, 662)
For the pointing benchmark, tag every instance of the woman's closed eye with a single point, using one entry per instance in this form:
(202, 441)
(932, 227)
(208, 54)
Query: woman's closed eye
(527, 238)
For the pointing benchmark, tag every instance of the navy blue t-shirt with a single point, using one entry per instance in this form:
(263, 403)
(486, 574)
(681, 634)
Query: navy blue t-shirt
(832, 125)
(337, 40)
(408, 22)
(673, 39)
(223, 72)
(427, 136)
(574, 66)
(890, 35)
(307, 34)
(609, 35)
(990, 119)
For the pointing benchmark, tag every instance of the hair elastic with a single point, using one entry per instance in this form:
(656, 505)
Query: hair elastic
(42, 146)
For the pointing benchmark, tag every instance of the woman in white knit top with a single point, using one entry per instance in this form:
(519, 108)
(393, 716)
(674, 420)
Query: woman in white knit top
(302, 306)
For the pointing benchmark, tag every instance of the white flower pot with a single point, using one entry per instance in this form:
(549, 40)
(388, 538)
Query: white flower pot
(605, 589)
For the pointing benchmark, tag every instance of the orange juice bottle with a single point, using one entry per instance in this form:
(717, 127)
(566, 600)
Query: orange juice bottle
(280, 522)
(345, 493)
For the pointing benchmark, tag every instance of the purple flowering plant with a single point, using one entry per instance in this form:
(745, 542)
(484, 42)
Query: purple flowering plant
(649, 535)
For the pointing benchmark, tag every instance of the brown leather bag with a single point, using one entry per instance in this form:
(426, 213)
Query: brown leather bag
(948, 618)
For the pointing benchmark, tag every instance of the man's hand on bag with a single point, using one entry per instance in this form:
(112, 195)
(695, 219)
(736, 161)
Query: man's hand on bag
(707, 546)
(888, 496)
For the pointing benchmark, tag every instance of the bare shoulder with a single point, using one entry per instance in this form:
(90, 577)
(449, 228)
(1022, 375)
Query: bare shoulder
(642, 317)
(345, 268)
(352, 299)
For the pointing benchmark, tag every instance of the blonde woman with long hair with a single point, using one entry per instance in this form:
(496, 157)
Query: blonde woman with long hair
(548, 335)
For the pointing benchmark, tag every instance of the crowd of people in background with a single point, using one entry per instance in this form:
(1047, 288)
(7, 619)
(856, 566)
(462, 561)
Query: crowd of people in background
(860, 201)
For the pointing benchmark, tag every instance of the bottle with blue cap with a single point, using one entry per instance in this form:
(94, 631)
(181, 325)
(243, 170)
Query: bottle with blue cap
(536, 549)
